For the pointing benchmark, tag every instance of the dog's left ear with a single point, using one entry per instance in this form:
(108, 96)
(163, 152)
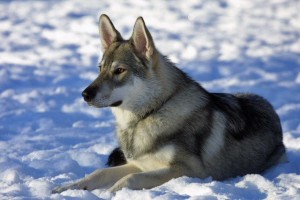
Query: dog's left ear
(142, 39)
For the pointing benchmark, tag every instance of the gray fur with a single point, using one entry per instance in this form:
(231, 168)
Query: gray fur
(172, 126)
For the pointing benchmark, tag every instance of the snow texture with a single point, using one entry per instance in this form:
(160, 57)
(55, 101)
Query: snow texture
(49, 53)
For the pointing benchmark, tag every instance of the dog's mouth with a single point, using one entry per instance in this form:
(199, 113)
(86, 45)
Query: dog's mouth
(116, 104)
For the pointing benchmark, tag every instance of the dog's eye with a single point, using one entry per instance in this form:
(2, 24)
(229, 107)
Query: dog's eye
(119, 71)
(99, 68)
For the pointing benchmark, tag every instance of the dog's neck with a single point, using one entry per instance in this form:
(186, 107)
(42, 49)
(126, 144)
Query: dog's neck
(124, 117)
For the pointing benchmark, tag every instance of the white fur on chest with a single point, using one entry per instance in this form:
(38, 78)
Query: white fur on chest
(123, 117)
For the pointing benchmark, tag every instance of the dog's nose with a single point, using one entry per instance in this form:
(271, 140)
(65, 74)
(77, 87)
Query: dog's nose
(88, 94)
(85, 96)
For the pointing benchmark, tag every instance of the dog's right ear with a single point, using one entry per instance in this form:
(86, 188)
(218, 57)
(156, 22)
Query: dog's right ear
(108, 33)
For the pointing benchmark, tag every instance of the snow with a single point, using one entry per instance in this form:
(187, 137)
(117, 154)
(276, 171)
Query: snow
(49, 53)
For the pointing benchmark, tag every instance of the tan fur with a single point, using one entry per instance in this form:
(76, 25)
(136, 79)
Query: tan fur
(103, 178)
(149, 179)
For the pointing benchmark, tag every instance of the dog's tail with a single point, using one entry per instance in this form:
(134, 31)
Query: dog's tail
(116, 158)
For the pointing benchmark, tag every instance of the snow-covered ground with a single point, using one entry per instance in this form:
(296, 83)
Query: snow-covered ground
(49, 52)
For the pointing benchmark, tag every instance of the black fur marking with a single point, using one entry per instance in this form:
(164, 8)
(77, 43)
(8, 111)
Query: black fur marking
(246, 114)
(230, 106)
(116, 158)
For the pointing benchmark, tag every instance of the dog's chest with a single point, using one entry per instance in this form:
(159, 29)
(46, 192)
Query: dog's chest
(127, 139)
(138, 136)
(135, 140)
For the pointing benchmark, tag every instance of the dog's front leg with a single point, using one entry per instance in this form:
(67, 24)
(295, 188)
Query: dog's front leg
(147, 180)
(101, 178)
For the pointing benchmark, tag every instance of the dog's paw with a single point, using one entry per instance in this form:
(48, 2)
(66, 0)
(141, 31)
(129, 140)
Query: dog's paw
(65, 188)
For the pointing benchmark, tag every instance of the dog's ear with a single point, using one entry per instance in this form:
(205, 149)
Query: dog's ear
(142, 39)
(108, 33)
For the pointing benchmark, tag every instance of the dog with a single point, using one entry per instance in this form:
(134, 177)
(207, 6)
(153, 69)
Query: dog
(168, 125)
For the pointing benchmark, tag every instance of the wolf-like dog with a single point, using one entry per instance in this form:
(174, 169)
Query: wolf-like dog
(168, 125)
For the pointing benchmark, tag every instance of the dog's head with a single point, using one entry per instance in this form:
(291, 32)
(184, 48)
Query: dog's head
(126, 70)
